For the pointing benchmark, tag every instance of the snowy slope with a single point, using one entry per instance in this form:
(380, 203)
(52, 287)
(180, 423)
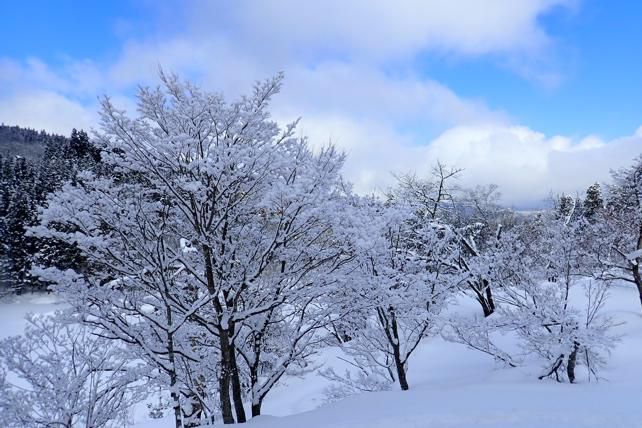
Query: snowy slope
(455, 387)
(14, 308)
(452, 386)
(505, 405)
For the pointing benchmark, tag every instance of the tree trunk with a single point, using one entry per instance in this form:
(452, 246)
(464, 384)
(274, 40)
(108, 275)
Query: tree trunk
(173, 377)
(256, 408)
(254, 380)
(236, 387)
(485, 308)
(638, 281)
(177, 410)
(224, 342)
(173, 386)
(388, 322)
(489, 297)
(401, 370)
(570, 365)
(225, 379)
(484, 296)
(637, 277)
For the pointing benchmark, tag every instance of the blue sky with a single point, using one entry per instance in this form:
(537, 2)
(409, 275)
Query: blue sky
(544, 89)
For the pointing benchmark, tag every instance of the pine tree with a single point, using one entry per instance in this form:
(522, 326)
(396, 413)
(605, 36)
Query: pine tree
(25, 183)
(593, 202)
(21, 213)
(565, 206)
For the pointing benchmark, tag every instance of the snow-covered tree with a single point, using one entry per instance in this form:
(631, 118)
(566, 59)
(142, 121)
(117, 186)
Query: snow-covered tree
(66, 375)
(207, 221)
(549, 300)
(543, 271)
(434, 196)
(565, 206)
(133, 288)
(25, 182)
(474, 215)
(618, 245)
(403, 283)
(593, 201)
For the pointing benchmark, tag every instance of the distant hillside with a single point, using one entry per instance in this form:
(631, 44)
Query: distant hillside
(26, 142)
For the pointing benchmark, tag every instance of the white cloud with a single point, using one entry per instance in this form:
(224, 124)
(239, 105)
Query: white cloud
(378, 29)
(361, 92)
(527, 165)
(374, 151)
(45, 110)
(256, 36)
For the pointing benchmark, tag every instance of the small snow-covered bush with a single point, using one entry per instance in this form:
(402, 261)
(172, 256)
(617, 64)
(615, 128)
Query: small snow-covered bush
(62, 374)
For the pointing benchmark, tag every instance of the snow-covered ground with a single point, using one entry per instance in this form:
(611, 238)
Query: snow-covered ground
(450, 386)
(14, 308)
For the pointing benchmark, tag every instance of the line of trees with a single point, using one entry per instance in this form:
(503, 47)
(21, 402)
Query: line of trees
(27, 177)
(223, 252)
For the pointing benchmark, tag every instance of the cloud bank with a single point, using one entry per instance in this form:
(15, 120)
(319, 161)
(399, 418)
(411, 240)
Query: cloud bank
(351, 73)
